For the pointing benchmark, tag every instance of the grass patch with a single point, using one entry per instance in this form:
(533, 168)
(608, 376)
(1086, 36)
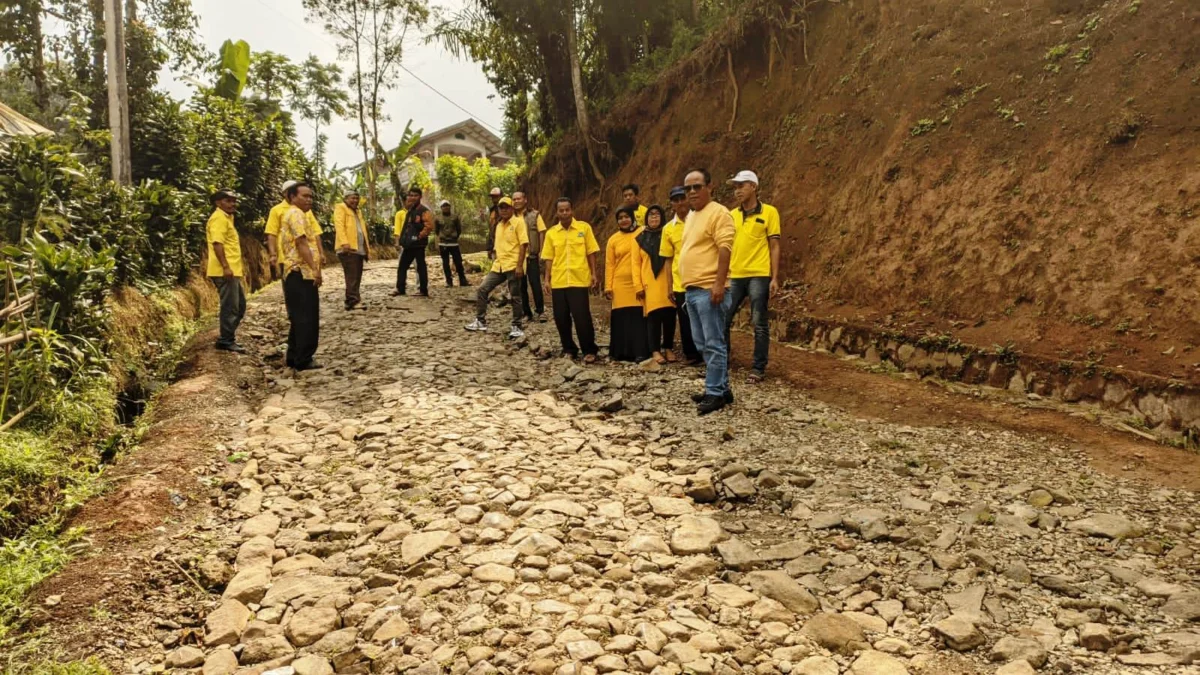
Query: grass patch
(24, 563)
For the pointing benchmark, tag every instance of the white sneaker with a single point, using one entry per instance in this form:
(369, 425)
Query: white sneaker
(477, 326)
(516, 333)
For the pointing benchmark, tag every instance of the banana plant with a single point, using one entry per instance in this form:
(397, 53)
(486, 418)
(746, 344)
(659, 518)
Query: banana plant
(233, 69)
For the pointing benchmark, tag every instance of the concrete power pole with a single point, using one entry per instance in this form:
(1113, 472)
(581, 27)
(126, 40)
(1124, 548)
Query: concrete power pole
(118, 93)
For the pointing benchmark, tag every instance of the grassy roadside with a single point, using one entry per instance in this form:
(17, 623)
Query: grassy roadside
(54, 461)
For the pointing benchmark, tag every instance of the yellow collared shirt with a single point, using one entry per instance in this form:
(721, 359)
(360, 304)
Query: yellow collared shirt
(398, 223)
(220, 230)
(275, 222)
(751, 251)
(293, 226)
(672, 242)
(510, 235)
(568, 250)
(639, 214)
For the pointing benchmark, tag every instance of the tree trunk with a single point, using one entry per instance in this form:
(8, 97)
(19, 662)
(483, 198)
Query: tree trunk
(556, 66)
(581, 112)
(523, 132)
(37, 60)
(364, 141)
(696, 10)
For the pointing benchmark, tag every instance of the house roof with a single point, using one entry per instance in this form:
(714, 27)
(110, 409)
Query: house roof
(468, 127)
(13, 123)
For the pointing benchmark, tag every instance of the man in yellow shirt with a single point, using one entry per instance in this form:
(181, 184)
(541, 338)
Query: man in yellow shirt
(631, 195)
(704, 269)
(275, 219)
(569, 251)
(533, 276)
(672, 241)
(511, 247)
(397, 230)
(352, 245)
(225, 267)
(754, 267)
(302, 269)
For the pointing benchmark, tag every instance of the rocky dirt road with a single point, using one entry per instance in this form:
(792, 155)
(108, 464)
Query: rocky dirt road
(435, 501)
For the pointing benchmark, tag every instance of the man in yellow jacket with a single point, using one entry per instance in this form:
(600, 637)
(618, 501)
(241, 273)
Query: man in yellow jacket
(352, 246)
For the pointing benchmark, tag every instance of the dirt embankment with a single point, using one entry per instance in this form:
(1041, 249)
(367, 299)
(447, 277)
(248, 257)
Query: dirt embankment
(1002, 172)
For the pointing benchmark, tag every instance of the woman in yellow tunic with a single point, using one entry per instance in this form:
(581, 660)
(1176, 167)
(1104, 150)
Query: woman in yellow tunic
(627, 324)
(652, 277)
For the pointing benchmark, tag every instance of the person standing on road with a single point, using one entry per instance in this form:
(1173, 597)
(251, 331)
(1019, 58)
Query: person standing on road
(225, 268)
(533, 276)
(302, 269)
(493, 218)
(413, 242)
(704, 266)
(627, 323)
(652, 276)
(397, 230)
(672, 240)
(351, 243)
(570, 252)
(448, 228)
(511, 247)
(275, 219)
(631, 196)
(754, 267)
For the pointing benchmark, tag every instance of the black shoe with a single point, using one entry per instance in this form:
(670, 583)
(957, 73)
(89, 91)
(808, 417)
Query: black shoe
(349, 307)
(398, 293)
(699, 398)
(541, 317)
(463, 283)
(711, 404)
(231, 347)
(449, 284)
(423, 294)
(311, 365)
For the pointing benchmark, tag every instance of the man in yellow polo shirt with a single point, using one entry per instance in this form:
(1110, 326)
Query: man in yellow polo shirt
(225, 267)
(754, 267)
(631, 195)
(275, 219)
(397, 230)
(511, 247)
(569, 251)
(672, 241)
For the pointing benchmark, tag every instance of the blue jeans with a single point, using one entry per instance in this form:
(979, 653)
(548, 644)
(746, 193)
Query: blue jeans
(758, 289)
(708, 332)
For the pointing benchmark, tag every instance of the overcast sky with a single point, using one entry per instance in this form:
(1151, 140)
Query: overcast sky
(281, 26)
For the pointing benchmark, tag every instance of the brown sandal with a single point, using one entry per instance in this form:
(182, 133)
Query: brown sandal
(671, 358)
(589, 359)
(658, 358)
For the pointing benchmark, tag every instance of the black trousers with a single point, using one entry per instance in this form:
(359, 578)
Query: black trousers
(661, 324)
(406, 261)
(233, 307)
(573, 305)
(685, 329)
(533, 280)
(454, 252)
(304, 314)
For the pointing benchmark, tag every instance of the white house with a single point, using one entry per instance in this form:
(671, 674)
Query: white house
(467, 139)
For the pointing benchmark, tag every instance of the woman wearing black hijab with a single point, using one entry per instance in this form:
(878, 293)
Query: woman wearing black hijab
(654, 284)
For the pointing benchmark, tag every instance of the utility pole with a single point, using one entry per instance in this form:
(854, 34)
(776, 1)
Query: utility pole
(118, 93)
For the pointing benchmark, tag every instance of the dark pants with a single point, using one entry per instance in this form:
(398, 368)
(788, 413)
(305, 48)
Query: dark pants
(685, 328)
(233, 307)
(406, 260)
(533, 280)
(758, 289)
(490, 282)
(573, 305)
(661, 329)
(304, 313)
(454, 252)
(352, 265)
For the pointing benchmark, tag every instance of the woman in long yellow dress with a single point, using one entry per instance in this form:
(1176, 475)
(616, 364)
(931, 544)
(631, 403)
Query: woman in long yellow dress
(652, 277)
(627, 324)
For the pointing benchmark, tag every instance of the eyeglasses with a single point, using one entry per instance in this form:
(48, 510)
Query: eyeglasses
(693, 188)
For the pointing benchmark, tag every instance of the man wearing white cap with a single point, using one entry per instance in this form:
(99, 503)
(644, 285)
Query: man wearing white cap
(754, 265)
(448, 228)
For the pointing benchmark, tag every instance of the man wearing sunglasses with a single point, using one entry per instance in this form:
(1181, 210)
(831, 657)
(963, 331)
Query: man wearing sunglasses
(704, 271)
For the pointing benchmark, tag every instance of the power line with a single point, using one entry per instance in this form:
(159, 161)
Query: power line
(325, 38)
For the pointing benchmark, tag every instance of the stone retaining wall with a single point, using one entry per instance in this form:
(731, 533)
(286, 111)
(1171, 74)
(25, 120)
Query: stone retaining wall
(1167, 408)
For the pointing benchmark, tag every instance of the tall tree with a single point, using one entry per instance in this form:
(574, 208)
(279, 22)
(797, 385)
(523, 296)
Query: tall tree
(273, 75)
(371, 35)
(322, 97)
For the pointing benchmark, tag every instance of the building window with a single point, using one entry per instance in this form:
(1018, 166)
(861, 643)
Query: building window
(460, 136)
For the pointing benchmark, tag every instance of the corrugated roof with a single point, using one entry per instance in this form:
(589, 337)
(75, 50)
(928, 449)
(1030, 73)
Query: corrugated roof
(13, 123)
